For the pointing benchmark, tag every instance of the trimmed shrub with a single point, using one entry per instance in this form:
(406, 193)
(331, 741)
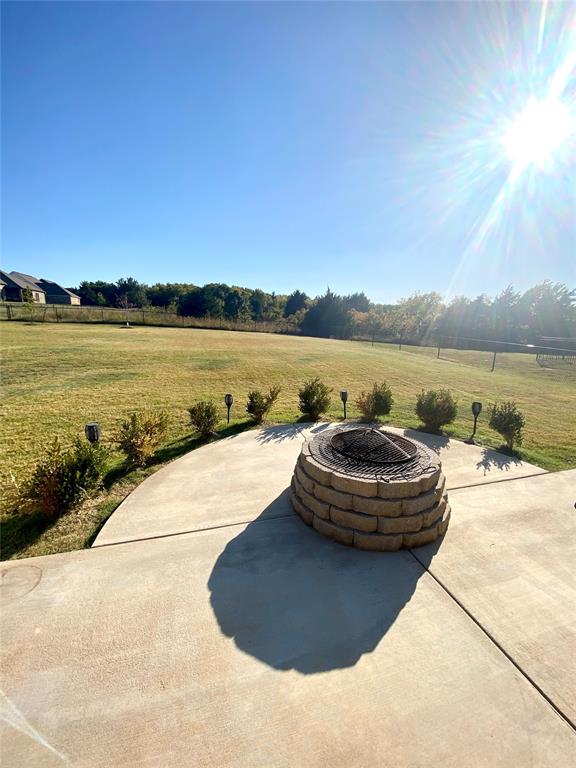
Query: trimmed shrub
(140, 435)
(259, 404)
(436, 407)
(375, 402)
(508, 421)
(62, 478)
(204, 417)
(314, 398)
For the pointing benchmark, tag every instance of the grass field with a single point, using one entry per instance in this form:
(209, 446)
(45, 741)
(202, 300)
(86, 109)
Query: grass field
(57, 377)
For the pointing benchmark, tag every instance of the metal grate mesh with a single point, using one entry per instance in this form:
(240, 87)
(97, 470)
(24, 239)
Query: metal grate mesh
(328, 449)
(374, 446)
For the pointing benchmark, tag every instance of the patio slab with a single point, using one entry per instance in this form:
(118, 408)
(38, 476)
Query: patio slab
(508, 557)
(257, 645)
(234, 480)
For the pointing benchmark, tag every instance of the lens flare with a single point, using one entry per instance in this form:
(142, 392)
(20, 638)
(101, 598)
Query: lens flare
(496, 166)
(536, 133)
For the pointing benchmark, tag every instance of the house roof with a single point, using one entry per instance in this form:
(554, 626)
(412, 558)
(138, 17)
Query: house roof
(25, 281)
(52, 288)
(22, 280)
(14, 281)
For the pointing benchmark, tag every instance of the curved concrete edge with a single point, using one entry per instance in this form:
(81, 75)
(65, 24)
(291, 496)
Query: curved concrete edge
(237, 479)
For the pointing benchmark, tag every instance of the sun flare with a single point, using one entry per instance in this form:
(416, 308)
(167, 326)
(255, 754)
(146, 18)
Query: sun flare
(537, 133)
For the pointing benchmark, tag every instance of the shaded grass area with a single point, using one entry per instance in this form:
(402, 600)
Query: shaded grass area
(34, 535)
(57, 377)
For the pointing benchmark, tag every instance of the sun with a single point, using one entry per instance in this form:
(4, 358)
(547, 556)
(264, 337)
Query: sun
(536, 134)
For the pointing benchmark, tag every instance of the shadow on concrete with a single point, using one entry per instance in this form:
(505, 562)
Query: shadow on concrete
(437, 442)
(425, 555)
(497, 460)
(277, 433)
(295, 600)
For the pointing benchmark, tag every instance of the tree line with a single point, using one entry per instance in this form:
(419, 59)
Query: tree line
(546, 311)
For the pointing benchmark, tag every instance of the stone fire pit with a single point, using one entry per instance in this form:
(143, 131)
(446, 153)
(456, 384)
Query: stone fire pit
(371, 489)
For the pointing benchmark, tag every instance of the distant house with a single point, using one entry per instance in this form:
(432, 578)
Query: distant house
(15, 283)
(56, 294)
(43, 291)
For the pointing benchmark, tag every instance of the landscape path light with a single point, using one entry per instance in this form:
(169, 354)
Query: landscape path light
(476, 411)
(92, 431)
(344, 398)
(228, 399)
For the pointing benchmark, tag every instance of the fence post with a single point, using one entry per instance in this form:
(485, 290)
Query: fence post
(493, 362)
(438, 355)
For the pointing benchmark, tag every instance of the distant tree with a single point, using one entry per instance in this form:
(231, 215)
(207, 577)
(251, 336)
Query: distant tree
(236, 306)
(166, 294)
(295, 302)
(193, 303)
(455, 320)
(257, 304)
(130, 293)
(358, 301)
(548, 309)
(328, 316)
(214, 297)
(504, 317)
(273, 307)
(420, 314)
(368, 324)
(97, 293)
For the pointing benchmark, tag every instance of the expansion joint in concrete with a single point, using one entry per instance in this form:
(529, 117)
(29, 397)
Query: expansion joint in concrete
(495, 642)
(187, 533)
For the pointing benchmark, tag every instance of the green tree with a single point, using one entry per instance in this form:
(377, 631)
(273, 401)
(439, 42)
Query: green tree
(295, 302)
(358, 301)
(328, 316)
(421, 314)
(166, 294)
(236, 306)
(130, 293)
(548, 309)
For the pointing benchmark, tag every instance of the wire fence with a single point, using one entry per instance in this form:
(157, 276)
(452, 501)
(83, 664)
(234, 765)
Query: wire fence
(549, 352)
(150, 316)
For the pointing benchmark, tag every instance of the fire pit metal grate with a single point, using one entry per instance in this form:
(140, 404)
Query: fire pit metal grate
(374, 446)
(373, 454)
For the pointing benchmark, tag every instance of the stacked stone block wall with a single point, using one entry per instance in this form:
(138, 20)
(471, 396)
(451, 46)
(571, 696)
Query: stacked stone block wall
(370, 514)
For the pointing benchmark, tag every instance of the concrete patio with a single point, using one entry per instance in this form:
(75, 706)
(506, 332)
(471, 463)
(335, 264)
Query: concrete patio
(208, 626)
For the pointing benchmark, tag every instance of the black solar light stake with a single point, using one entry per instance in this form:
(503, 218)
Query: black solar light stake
(476, 411)
(228, 399)
(344, 398)
(92, 431)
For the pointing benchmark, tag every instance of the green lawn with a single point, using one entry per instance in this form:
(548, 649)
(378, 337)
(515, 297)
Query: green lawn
(57, 377)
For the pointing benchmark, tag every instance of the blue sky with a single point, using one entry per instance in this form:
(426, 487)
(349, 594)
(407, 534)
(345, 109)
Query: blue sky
(285, 145)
